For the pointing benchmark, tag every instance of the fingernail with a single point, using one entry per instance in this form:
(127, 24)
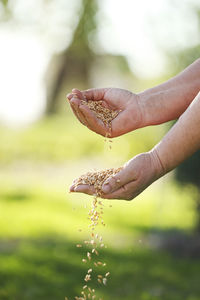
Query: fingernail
(106, 188)
(70, 96)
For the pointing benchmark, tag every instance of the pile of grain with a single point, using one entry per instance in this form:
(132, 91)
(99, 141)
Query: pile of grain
(103, 113)
(96, 179)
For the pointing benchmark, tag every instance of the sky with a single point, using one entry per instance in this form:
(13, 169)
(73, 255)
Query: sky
(138, 29)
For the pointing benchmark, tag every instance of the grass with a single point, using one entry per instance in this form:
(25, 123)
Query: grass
(39, 219)
(50, 268)
(34, 209)
(61, 139)
(39, 258)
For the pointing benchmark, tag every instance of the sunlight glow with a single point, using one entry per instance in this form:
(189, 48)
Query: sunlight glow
(143, 29)
(140, 30)
(22, 65)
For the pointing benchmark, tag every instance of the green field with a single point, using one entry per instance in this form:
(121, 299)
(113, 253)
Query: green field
(39, 219)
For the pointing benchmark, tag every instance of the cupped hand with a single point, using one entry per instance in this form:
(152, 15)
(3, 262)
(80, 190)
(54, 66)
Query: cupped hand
(127, 103)
(136, 175)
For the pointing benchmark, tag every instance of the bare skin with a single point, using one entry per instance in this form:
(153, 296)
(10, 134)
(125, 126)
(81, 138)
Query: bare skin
(176, 98)
(154, 106)
(179, 143)
(119, 99)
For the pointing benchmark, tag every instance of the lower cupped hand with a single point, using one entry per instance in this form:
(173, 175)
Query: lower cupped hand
(136, 175)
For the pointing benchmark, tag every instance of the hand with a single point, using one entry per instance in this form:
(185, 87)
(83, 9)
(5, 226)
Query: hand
(136, 176)
(128, 119)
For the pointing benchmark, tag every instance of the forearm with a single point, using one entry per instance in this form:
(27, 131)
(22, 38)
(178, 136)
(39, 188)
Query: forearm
(182, 140)
(169, 100)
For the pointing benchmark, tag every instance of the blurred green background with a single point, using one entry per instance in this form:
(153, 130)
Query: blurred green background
(47, 48)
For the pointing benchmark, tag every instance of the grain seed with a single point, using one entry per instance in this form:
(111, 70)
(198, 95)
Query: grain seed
(104, 281)
(99, 280)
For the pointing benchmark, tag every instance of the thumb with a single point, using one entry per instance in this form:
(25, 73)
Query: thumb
(125, 176)
(95, 94)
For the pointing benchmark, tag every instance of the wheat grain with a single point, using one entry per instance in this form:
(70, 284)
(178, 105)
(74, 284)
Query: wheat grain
(96, 179)
(105, 114)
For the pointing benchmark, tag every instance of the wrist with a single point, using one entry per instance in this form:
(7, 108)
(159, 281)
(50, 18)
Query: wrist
(145, 101)
(136, 109)
(157, 165)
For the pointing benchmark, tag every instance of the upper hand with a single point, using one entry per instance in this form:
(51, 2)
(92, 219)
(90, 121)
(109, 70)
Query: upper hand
(128, 119)
(136, 175)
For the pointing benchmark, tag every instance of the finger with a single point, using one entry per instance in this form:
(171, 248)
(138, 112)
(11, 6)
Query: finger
(95, 94)
(126, 192)
(71, 189)
(81, 119)
(84, 188)
(74, 102)
(78, 93)
(93, 122)
(87, 117)
(69, 96)
(73, 94)
(78, 115)
(74, 184)
(122, 178)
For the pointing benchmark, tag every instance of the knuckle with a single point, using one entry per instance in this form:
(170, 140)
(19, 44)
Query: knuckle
(112, 182)
(116, 180)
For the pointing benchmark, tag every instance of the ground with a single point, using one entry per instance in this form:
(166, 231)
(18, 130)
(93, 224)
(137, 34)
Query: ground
(39, 222)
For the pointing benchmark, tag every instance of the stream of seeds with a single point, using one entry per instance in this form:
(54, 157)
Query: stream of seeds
(95, 243)
(95, 215)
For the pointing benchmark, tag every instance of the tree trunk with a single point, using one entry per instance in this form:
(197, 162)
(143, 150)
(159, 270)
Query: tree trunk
(76, 61)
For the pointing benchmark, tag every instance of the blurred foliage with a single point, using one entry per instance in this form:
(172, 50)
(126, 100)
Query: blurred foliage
(189, 171)
(41, 142)
(50, 268)
(39, 231)
(36, 208)
(6, 13)
(75, 62)
(39, 221)
(80, 65)
(4, 2)
(179, 61)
